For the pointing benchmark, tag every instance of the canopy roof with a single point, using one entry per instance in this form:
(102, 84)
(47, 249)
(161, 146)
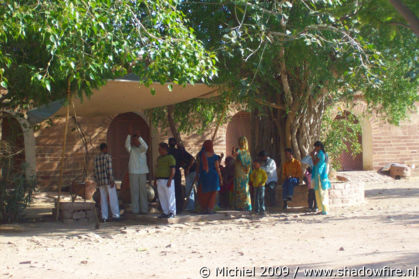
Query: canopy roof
(119, 96)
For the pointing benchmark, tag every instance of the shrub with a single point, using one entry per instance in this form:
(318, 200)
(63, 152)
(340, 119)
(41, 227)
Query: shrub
(342, 134)
(15, 195)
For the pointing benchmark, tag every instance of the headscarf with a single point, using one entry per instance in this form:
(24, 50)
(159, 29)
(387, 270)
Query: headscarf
(243, 143)
(244, 158)
(206, 147)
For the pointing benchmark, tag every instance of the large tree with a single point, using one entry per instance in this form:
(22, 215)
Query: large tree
(291, 60)
(50, 50)
(50, 47)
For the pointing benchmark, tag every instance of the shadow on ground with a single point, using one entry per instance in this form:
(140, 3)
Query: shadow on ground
(407, 263)
(392, 193)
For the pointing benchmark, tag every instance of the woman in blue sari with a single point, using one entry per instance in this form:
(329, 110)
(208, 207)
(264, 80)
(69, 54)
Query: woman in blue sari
(209, 177)
(319, 176)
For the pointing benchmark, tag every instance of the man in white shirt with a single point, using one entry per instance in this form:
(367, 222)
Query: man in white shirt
(269, 166)
(138, 169)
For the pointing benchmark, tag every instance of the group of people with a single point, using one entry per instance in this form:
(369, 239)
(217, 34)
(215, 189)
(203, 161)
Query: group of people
(241, 183)
(138, 169)
(315, 177)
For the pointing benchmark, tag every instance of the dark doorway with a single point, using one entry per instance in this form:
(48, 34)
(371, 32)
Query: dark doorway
(117, 133)
(238, 126)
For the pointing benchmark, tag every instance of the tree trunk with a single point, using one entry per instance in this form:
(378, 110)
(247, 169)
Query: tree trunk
(274, 130)
(407, 14)
(172, 124)
(265, 135)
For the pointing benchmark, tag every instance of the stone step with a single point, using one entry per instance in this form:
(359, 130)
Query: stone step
(184, 217)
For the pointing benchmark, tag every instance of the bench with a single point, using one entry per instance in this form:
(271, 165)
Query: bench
(300, 196)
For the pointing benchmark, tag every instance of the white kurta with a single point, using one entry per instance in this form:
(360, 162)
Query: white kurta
(137, 156)
(270, 169)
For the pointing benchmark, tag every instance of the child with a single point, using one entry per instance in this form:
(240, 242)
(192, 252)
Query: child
(312, 206)
(258, 178)
(228, 183)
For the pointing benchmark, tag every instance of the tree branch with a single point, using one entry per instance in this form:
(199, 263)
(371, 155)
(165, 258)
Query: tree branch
(272, 105)
(407, 14)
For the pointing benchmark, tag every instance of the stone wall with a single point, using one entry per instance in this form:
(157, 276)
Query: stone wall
(79, 213)
(346, 193)
(342, 193)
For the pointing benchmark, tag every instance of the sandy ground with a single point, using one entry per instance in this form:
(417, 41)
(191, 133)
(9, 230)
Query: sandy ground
(382, 232)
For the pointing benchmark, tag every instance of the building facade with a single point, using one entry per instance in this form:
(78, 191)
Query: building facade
(382, 143)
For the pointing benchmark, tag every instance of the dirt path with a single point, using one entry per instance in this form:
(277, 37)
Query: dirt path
(382, 232)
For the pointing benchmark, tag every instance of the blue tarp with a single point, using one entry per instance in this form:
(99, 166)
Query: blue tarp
(44, 112)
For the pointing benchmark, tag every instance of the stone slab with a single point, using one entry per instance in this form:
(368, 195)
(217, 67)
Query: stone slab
(76, 205)
(79, 215)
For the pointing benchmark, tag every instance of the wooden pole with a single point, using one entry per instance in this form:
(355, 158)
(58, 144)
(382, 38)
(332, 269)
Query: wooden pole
(60, 182)
(219, 122)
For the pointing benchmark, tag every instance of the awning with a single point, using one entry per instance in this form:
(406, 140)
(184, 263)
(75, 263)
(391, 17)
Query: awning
(120, 96)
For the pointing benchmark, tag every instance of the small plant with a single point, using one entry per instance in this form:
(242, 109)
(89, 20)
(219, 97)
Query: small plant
(342, 134)
(15, 195)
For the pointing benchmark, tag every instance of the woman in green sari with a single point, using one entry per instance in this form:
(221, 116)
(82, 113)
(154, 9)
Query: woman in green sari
(241, 177)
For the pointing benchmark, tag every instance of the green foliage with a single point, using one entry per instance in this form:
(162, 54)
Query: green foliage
(396, 92)
(381, 15)
(193, 116)
(335, 40)
(333, 51)
(46, 44)
(341, 132)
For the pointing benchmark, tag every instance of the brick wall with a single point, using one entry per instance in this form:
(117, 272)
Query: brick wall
(49, 139)
(395, 144)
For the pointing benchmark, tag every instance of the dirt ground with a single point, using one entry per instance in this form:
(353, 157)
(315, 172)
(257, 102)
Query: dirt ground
(384, 231)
